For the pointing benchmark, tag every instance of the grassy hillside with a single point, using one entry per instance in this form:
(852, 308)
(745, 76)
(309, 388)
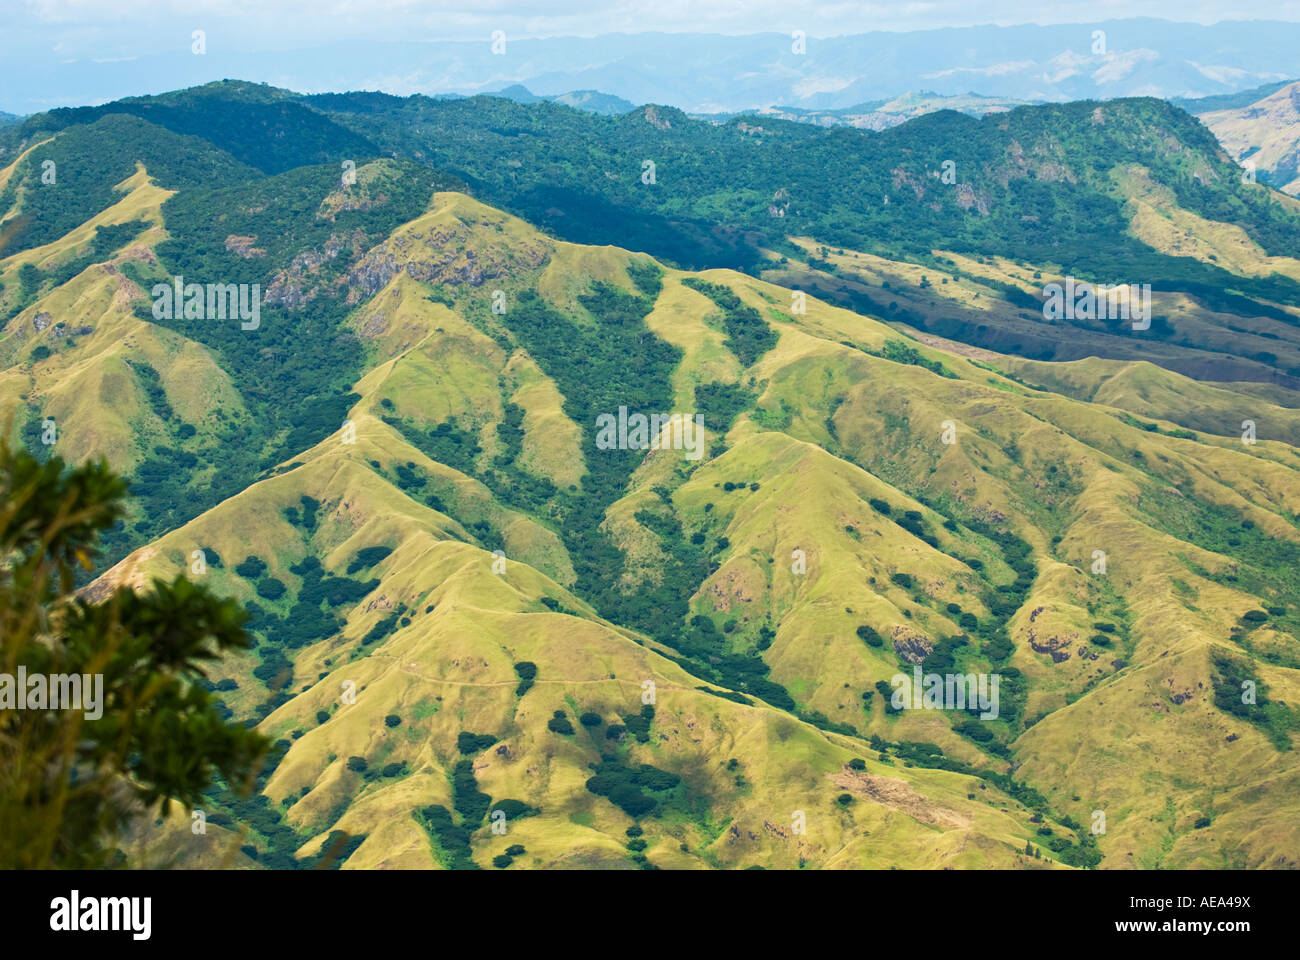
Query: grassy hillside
(975, 555)
(1264, 131)
(466, 601)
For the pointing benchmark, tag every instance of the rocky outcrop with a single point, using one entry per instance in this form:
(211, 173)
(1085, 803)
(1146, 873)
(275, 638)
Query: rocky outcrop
(910, 645)
(446, 255)
(300, 282)
(243, 247)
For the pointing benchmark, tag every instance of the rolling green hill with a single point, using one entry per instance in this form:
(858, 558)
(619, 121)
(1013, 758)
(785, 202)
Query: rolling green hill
(1066, 189)
(466, 602)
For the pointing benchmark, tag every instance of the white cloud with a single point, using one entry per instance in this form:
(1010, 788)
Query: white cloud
(1120, 65)
(993, 70)
(1221, 74)
(809, 86)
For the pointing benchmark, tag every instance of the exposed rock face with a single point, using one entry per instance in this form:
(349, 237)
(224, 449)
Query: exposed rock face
(447, 254)
(41, 321)
(243, 246)
(375, 324)
(373, 272)
(903, 179)
(899, 795)
(344, 200)
(910, 645)
(301, 283)
(967, 199)
(59, 331)
(1058, 647)
(987, 513)
(655, 120)
(363, 190)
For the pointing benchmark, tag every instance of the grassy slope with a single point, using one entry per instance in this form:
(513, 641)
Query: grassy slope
(804, 500)
(88, 384)
(451, 669)
(1265, 132)
(840, 426)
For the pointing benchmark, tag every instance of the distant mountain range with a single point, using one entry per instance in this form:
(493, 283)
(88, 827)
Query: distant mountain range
(873, 115)
(705, 73)
(881, 114)
(593, 101)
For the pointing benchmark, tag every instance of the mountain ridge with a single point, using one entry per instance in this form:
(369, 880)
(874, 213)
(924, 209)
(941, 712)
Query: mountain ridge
(398, 474)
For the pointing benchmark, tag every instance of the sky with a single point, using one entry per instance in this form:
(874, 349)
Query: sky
(79, 52)
(110, 29)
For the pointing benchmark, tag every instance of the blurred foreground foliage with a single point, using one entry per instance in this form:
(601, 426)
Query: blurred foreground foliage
(70, 784)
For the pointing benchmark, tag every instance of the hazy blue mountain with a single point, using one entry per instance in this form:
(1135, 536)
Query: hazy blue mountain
(519, 94)
(707, 73)
(879, 114)
(593, 101)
